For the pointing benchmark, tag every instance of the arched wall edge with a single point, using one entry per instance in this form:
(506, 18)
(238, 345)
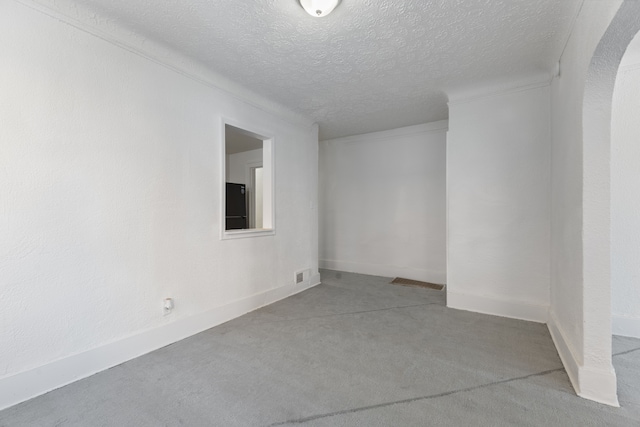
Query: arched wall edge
(596, 378)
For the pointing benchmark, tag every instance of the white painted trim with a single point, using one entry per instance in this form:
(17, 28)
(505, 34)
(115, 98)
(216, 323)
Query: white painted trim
(250, 179)
(498, 306)
(314, 280)
(29, 384)
(564, 349)
(383, 270)
(244, 234)
(535, 82)
(268, 183)
(447, 173)
(439, 126)
(599, 385)
(161, 55)
(593, 384)
(625, 326)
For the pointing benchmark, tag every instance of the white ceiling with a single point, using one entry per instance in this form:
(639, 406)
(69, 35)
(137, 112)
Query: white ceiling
(369, 66)
(238, 141)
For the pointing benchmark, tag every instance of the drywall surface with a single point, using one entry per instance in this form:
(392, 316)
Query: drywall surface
(110, 183)
(498, 173)
(238, 164)
(369, 65)
(580, 316)
(382, 200)
(625, 200)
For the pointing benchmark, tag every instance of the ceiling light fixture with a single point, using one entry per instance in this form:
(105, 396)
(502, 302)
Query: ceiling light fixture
(319, 8)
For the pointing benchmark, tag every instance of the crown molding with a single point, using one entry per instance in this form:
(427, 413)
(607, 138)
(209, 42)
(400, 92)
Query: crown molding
(110, 31)
(531, 82)
(432, 127)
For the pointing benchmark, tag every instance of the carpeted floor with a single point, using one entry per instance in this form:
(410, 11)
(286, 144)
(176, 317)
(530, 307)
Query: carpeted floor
(354, 351)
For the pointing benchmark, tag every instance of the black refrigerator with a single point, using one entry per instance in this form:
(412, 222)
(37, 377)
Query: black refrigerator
(236, 207)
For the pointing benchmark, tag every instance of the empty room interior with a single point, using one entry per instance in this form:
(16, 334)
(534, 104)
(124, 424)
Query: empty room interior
(203, 204)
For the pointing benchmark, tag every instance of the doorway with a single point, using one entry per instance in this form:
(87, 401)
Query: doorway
(598, 379)
(625, 195)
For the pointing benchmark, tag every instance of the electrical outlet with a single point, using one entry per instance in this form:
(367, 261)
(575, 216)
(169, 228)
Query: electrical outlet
(299, 277)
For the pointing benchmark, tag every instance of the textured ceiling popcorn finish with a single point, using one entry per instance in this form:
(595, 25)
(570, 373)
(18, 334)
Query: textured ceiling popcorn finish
(370, 65)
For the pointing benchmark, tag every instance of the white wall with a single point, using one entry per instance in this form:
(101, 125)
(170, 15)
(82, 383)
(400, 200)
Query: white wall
(498, 173)
(382, 199)
(259, 198)
(625, 200)
(580, 314)
(237, 165)
(110, 189)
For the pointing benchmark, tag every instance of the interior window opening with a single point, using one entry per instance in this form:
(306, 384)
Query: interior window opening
(248, 190)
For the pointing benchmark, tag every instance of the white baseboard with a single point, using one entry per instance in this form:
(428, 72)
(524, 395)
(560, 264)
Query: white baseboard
(567, 355)
(625, 326)
(439, 277)
(599, 385)
(314, 280)
(29, 384)
(498, 306)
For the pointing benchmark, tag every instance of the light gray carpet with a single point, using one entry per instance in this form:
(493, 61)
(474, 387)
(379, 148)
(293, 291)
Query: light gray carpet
(354, 351)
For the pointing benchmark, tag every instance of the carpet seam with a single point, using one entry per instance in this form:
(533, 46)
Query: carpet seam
(411, 400)
(350, 313)
(622, 353)
(434, 396)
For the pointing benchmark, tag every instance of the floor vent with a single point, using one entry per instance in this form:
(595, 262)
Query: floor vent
(408, 282)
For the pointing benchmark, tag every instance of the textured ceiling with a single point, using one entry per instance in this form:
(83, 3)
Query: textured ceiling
(371, 65)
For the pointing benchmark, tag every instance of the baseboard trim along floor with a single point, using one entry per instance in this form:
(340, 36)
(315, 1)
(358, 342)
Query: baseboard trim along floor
(354, 350)
(29, 384)
(496, 306)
